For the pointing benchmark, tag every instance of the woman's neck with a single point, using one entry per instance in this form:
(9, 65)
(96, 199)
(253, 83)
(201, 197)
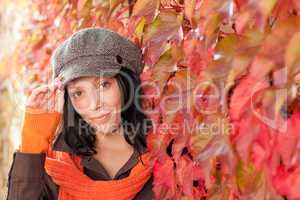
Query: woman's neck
(113, 151)
(112, 141)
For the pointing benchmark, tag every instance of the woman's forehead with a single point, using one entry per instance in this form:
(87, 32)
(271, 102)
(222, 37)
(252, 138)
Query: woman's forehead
(92, 79)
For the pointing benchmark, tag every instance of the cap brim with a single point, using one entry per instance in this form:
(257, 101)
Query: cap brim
(92, 68)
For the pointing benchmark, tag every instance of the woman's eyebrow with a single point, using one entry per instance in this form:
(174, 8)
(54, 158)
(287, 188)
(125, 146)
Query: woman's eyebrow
(96, 81)
(74, 83)
(72, 87)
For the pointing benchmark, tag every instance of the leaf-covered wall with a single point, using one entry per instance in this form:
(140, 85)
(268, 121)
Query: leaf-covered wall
(241, 59)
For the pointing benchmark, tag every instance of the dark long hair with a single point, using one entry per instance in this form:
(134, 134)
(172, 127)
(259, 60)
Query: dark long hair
(80, 136)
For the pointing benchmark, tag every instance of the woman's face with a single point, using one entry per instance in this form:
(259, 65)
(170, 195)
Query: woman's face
(97, 100)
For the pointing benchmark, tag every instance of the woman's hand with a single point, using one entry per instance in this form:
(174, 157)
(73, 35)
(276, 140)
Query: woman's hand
(43, 114)
(47, 98)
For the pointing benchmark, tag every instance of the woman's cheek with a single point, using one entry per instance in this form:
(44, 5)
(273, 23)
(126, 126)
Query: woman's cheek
(80, 107)
(113, 98)
(81, 104)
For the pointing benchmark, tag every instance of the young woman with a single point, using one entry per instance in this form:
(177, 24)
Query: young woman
(92, 113)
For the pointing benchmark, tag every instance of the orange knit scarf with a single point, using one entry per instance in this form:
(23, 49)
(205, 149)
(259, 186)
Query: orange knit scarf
(66, 171)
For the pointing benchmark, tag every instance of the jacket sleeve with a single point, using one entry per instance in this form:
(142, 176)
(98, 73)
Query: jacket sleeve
(28, 180)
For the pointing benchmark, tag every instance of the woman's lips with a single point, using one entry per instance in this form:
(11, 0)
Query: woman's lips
(101, 118)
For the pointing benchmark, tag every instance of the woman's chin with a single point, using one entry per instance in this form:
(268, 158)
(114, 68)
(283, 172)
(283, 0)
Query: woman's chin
(107, 129)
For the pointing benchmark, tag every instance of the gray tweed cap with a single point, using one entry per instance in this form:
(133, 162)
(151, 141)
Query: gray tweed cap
(95, 52)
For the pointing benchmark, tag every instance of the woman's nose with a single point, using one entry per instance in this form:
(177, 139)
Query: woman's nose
(97, 100)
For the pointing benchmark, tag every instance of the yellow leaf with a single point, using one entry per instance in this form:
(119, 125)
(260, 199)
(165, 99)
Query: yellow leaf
(292, 54)
(140, 27)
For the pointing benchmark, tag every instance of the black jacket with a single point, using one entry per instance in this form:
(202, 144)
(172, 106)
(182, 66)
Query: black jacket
(28, 180)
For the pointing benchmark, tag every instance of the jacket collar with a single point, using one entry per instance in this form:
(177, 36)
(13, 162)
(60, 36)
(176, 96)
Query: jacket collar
(92, 164)
(59, 144)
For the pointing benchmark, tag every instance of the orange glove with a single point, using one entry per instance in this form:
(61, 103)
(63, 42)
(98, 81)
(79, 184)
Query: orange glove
(38, 130)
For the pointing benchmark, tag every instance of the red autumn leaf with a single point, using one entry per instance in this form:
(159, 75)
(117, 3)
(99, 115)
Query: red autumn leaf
(113, 4)
(189, 9)
(164, 178)
(154, 52)
(248, 85)
(247, 130)
(166, 26)
(262, 147)
(81, 4)
(184, 174)
(197, 56)
(146, 8)
(240, 3)
(158, 140)
(180, 142)
(287, 182)
(177, 96)
(288, 141)
(246, 50)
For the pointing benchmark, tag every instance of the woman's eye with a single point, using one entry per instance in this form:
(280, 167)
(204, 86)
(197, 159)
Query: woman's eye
(76, 94)
(105, 84)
